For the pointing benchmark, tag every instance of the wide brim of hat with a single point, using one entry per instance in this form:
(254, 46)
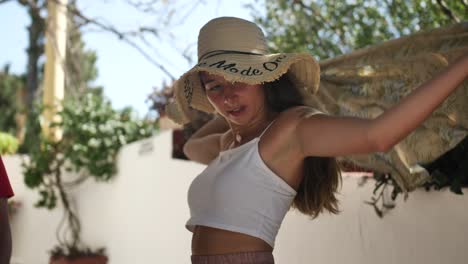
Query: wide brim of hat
(302, 69)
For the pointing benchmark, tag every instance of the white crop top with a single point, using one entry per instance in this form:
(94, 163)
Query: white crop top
(238, 192)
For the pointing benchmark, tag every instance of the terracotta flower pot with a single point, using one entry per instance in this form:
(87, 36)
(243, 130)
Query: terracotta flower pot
(80, 260)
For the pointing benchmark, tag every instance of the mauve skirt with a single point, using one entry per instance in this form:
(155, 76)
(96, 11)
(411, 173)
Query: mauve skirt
(253, 257)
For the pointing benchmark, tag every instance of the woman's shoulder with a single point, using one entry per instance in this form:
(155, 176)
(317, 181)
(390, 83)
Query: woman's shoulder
(280, 147)
(297, 113)
(287, 121)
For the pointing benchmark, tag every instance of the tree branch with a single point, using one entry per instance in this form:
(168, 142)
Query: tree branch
(4, 1)
(146, 7)
(447, 11)
(123, 37)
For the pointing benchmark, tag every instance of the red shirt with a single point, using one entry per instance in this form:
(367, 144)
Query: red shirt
(5, 187)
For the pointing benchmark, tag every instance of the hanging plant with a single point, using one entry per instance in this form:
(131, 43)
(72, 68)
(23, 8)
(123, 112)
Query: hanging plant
(449, 170)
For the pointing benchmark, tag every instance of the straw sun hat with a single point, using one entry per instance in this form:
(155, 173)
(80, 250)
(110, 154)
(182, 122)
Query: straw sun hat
(236, 49)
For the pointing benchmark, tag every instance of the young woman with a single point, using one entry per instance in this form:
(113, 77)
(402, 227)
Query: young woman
(267, 149)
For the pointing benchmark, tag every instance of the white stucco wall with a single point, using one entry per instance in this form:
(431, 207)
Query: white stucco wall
(140, 215)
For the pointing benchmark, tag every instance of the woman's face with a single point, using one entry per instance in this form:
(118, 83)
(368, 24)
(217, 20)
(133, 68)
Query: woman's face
(239, 103)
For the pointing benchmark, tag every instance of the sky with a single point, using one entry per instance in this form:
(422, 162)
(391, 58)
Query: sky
(127, 77)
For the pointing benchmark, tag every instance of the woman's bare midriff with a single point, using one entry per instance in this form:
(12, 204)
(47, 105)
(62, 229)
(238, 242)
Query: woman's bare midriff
(213, 241)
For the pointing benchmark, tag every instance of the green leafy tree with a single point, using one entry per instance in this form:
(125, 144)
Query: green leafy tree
(11, 88)
(80, 71)
(327, 28)
(80, 64)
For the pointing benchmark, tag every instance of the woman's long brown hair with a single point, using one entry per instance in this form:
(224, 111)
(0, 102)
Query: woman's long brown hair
(322, 175)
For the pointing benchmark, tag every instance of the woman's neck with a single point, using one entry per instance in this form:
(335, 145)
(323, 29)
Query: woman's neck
(245, 133)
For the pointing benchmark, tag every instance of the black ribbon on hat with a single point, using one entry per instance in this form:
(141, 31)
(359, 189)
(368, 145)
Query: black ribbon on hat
(221, 52)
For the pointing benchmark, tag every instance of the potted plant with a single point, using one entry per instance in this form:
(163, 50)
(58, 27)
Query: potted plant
(92, 134)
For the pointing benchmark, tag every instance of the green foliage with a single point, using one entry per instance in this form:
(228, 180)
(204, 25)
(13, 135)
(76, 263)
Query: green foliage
(80, 71)
(10, 86)
(450, 170)
(379, 201)
(93, 133)
(32, 129)
(8, 144)
(328, 28)
(80, 65)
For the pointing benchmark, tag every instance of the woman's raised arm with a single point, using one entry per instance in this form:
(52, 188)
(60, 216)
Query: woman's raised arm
(321, 135)
(204, 145)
